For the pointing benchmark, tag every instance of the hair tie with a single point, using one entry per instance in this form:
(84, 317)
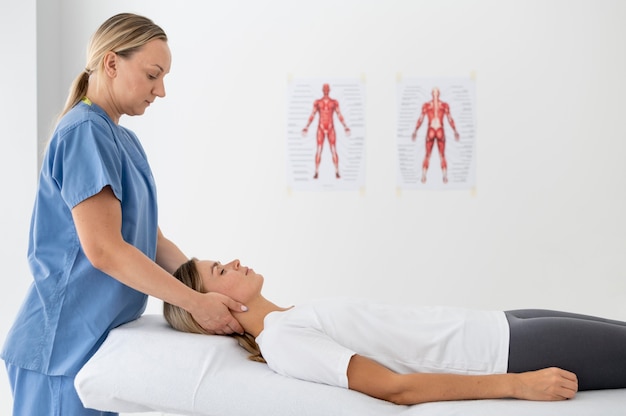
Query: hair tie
(87, 71)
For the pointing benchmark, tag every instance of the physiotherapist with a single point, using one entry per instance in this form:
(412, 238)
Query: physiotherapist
(95, 249)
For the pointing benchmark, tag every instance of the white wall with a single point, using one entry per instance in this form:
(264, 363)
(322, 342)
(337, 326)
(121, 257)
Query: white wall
(50, 55)
(545, 227)
(18, 160)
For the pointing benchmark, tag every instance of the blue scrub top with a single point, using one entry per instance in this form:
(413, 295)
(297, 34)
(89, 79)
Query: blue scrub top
(71, 306)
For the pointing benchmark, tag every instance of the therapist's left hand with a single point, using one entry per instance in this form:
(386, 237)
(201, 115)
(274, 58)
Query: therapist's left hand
(214, 314)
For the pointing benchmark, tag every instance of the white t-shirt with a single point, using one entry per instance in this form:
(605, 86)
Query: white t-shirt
(315, 341)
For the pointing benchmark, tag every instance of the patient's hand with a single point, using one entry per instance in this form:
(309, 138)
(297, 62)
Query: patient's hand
(214, 314)
(546, 384)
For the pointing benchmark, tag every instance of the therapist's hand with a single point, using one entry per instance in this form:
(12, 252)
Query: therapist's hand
(215, 315)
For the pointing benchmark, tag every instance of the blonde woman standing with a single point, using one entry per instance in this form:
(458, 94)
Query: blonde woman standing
(95, 250)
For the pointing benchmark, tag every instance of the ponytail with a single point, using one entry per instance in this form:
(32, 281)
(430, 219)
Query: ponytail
(248, 343)
(78, 90)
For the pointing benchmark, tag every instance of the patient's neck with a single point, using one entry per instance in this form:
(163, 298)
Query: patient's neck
(258, 309)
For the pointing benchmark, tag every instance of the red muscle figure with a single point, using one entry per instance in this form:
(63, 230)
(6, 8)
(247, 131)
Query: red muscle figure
(326, 107)
(435, 110)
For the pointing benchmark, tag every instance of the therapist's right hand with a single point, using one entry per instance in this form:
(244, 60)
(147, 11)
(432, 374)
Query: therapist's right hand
(214, 314)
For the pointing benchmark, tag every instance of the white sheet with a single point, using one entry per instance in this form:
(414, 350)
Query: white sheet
(146, 366)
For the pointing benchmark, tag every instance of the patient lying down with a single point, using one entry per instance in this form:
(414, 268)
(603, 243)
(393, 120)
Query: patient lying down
(412, 354)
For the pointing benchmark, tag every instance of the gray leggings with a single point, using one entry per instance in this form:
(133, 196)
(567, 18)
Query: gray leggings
(592, 348)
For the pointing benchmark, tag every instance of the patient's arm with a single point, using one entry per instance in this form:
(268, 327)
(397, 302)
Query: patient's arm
(371, 378)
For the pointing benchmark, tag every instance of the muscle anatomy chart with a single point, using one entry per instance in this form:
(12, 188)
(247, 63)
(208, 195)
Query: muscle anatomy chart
(436, 133)
(326, 134)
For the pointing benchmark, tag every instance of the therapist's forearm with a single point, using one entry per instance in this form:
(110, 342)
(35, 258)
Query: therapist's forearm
(133, 268)
(98, 222)
(168, 255)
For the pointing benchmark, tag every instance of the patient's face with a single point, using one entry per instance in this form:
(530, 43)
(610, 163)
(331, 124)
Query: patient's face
(232, 279)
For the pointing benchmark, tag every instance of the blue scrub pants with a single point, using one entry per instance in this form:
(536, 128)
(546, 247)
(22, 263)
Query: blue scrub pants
(42, 395)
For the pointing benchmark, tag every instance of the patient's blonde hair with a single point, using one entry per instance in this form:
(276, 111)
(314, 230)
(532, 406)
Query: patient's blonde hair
(124, 34)
(180, 319)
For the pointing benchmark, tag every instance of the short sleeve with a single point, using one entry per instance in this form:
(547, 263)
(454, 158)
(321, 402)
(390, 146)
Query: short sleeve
(85, 160)
(306, 354)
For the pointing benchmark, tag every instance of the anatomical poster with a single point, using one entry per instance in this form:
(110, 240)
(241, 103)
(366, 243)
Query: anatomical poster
(326, 134)
(436, 133)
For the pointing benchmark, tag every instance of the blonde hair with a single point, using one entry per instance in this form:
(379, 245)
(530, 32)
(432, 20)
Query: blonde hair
(124, 34)
(181, 320)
